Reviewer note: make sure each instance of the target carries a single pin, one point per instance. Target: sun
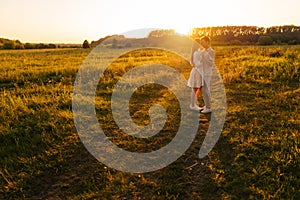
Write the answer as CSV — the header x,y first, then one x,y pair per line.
x,y
183,30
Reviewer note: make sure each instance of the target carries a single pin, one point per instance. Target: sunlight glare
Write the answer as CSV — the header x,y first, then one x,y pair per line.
x,y
183,30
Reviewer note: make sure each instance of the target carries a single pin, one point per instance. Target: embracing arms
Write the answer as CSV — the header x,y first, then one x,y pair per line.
x,y
208,56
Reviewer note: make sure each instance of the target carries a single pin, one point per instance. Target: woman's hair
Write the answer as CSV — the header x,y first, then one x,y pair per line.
x,y
195,47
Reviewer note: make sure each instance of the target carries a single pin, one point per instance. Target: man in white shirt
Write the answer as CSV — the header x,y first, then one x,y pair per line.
x,y
208,57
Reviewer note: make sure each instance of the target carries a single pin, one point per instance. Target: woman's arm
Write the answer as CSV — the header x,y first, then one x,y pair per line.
x,y
196,59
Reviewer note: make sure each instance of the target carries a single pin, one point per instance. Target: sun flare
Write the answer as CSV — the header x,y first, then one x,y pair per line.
x,y
183,30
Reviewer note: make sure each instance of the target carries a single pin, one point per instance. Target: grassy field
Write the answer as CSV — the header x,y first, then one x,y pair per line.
x,y
256,157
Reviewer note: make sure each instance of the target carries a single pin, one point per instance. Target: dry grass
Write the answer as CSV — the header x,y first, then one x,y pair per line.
x,y
257,155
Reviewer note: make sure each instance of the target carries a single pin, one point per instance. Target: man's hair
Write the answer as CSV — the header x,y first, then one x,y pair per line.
x,y
206,38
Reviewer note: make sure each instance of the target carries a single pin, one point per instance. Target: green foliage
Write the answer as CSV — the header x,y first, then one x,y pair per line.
x,y
265,40
85,44
16,44
257,156
13,45
9,45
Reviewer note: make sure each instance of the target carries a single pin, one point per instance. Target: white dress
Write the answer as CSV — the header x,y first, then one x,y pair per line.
x,y
195,80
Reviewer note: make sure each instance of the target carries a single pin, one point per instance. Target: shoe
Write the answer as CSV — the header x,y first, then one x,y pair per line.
x,y
197,107
206,110
194,107
202,108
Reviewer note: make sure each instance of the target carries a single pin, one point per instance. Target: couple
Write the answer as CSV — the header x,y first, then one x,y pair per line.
x,y
203,62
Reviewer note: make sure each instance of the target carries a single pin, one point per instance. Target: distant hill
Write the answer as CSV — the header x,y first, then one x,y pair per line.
x,y
120,41
3,40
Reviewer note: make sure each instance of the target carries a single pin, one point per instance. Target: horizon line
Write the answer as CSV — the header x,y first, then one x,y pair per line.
x,y
128,33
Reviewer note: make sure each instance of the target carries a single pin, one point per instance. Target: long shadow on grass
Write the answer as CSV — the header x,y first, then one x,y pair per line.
x,y
71,172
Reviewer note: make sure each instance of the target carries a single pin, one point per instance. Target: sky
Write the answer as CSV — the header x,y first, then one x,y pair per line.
x,y
73,21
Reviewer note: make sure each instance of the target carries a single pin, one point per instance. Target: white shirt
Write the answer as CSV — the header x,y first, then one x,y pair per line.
x,y
208,57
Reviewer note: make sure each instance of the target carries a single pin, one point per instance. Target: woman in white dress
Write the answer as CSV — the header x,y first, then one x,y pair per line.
x,y
195,81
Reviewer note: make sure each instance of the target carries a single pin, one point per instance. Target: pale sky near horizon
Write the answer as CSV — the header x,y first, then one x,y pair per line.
x,y
73,21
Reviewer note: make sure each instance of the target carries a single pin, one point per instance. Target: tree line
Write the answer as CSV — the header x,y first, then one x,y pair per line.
x,y
220,35
16,44
242,35
288,34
